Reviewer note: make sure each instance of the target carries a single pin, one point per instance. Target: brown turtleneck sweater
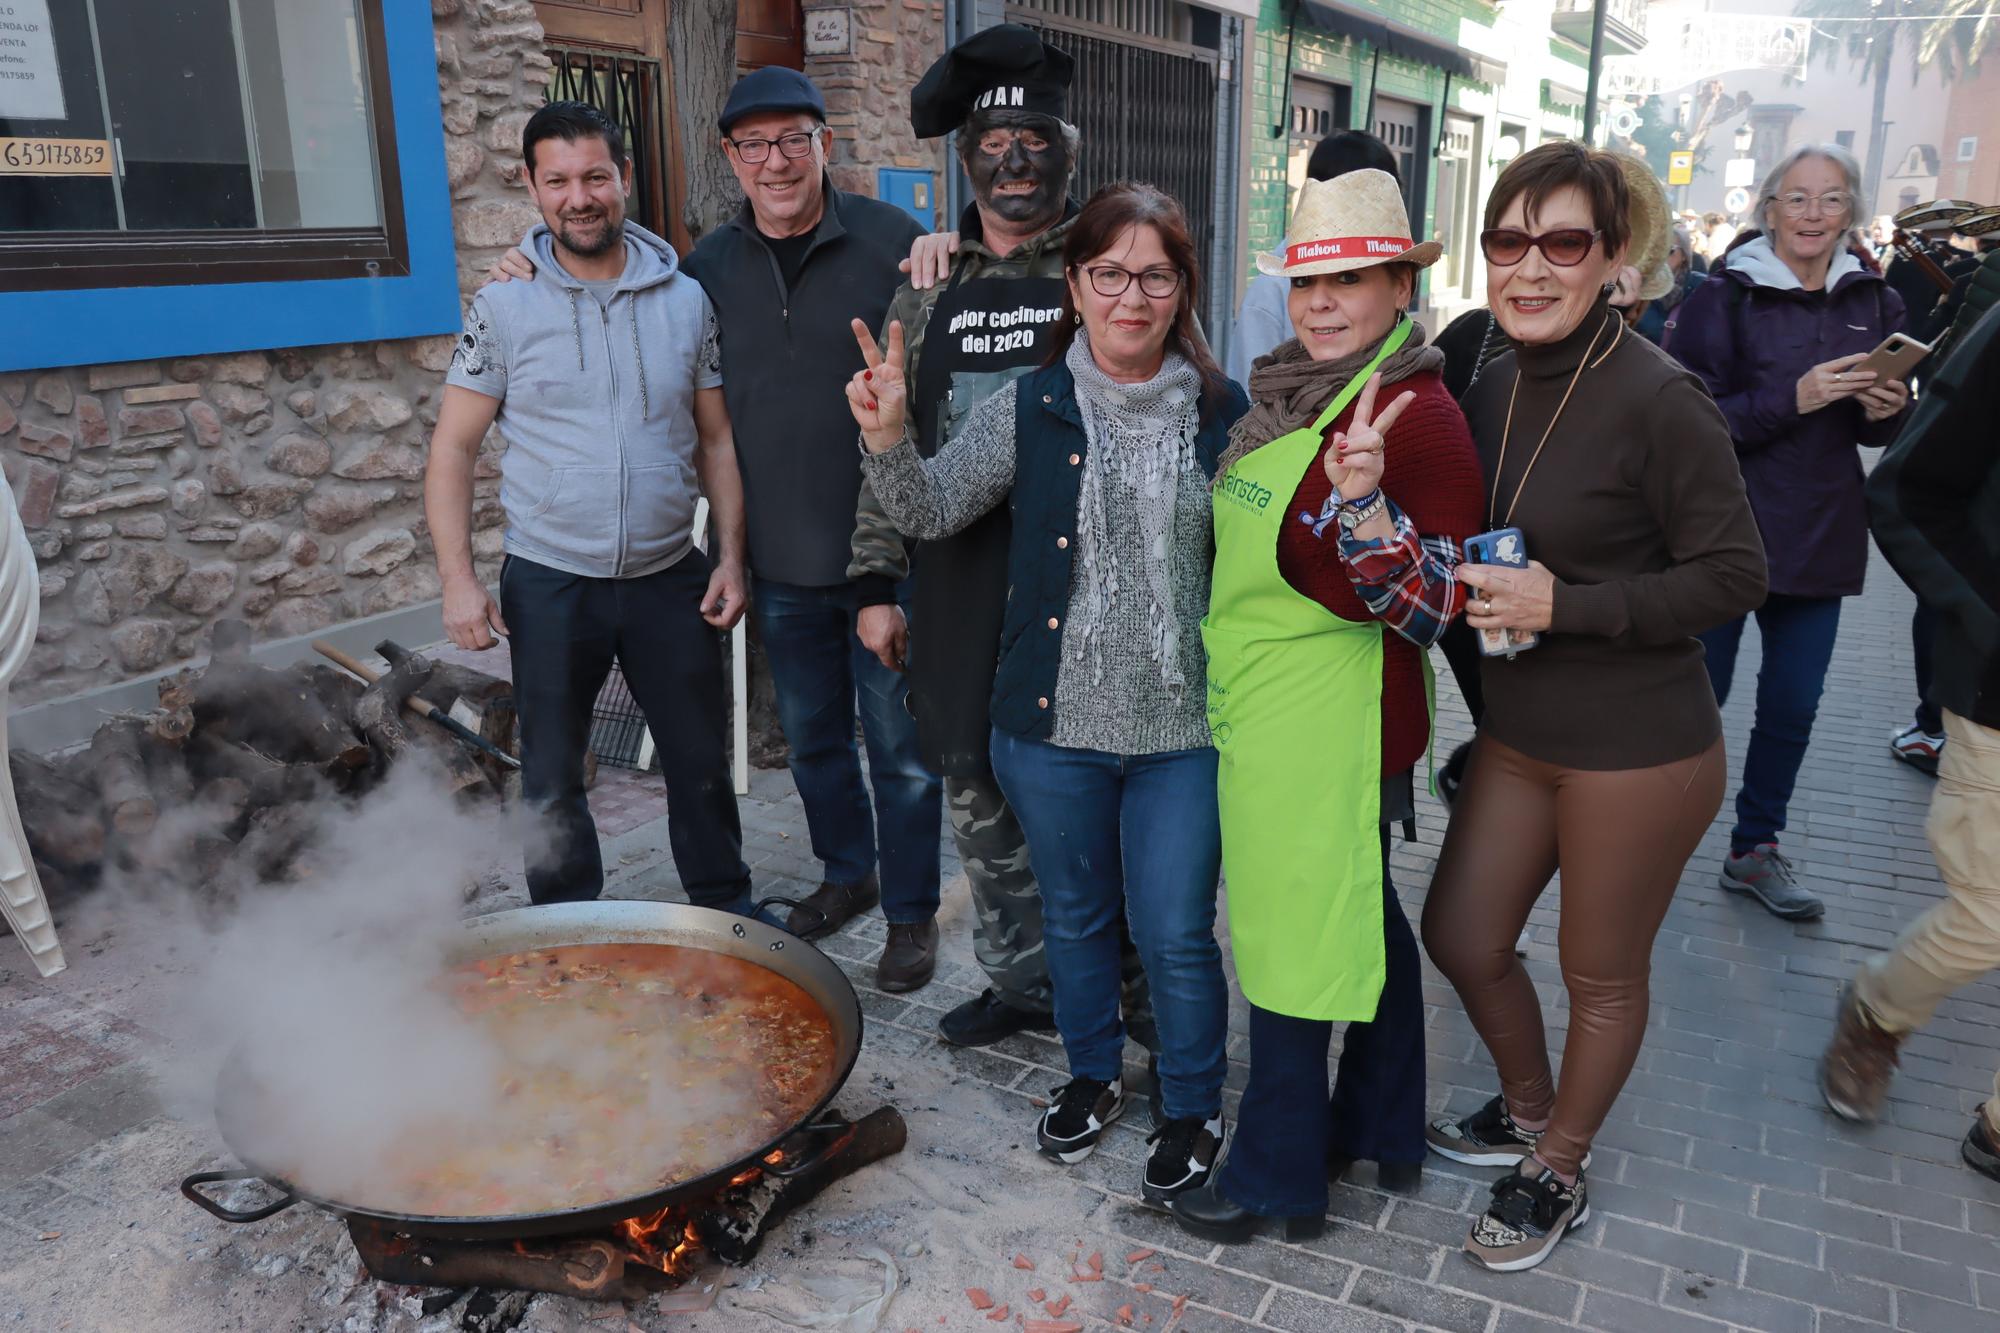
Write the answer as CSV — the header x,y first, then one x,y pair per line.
x,y
1636,506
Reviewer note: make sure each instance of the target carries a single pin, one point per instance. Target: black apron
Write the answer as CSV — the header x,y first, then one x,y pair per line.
x,y
982,335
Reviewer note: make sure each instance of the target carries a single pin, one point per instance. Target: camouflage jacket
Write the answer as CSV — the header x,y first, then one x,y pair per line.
x,y
881,555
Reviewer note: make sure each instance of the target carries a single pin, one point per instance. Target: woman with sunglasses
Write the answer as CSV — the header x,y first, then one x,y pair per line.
x,y
1778,335
1339,512
1100,741
1600,753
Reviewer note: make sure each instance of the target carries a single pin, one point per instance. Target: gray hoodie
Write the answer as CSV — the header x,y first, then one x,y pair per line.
x,y
597,407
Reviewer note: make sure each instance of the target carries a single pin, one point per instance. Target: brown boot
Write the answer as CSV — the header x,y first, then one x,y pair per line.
x,y
1854,1073
831,906
909,958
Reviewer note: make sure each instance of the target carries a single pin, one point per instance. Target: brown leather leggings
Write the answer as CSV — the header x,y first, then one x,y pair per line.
x,y
1621,839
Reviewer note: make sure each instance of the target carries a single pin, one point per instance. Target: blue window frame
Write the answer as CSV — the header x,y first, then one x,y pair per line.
x,y
277,252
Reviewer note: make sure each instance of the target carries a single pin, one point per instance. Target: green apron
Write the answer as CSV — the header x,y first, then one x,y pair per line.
x,y
1295,705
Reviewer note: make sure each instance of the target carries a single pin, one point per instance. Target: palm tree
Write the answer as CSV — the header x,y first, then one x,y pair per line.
x,y
1952,34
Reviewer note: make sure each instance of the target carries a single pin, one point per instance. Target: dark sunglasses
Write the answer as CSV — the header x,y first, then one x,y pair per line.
x,y
1565,247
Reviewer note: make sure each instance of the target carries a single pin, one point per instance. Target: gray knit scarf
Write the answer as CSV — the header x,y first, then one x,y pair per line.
x,y
1288,389
1141,439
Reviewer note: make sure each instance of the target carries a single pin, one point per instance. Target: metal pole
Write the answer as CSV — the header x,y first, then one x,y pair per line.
x,y
1596,66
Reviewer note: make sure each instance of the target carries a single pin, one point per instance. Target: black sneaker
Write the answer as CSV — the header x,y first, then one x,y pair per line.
x,y
1528,1215
1083,1109
1980,1150
1487,1137
989,1018
1183,1156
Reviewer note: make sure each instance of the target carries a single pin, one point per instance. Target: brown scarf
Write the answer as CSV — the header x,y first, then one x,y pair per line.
x,y
1288,389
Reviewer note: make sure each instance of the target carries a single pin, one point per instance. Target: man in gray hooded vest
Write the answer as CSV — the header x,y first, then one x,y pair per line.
x,y
605,382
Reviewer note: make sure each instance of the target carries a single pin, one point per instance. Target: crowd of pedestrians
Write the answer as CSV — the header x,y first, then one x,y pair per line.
x,y
1141,627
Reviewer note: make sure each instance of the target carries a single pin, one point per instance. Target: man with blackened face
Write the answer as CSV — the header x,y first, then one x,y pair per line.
x,y
1004,93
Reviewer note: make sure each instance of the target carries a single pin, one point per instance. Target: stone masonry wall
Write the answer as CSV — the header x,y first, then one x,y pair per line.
x,y
868,91
283,487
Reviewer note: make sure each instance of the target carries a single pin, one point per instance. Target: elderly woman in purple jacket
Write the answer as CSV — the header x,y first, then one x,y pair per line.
x,y
1776,333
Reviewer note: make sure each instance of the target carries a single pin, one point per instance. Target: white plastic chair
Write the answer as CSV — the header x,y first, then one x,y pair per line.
x,y
739,682
22,901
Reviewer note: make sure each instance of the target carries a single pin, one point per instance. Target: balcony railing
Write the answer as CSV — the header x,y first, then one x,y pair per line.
x,y
1624,24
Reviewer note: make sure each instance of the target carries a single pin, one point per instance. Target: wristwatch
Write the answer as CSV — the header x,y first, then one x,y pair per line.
x,y
1353,515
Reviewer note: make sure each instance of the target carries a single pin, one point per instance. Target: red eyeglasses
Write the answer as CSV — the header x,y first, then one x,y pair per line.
x,y
1564,247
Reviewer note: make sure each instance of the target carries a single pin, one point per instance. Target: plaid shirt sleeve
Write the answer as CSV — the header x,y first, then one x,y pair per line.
x,y
1406,578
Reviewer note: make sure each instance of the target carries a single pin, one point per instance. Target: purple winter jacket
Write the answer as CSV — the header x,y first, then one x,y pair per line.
x,y
1750,346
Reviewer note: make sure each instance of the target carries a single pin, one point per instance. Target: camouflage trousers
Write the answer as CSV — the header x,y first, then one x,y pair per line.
x,y
1007,933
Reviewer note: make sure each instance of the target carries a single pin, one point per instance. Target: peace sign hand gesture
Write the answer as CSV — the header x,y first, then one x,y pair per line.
x,y
1353,458
876,393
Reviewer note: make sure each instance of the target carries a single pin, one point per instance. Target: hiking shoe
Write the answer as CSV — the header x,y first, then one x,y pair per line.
x,y
1981,1148
831,906
1487,1137
1917,748
909,956
1765,873
1854,1073
989,1018
1183,1156
1528,1215
1083,1109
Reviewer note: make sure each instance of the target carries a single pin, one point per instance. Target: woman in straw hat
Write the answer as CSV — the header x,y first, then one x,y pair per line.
x,y
1339,511
1600,753
1103,456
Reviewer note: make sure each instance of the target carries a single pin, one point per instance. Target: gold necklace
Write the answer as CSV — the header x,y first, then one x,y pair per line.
x,y
1500,468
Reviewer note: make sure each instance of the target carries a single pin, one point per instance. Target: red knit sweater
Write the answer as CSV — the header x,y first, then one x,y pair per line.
x,y
1431,472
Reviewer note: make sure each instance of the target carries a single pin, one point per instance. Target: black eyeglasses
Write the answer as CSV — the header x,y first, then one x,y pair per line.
x,y
1110,280
754,151
1564,247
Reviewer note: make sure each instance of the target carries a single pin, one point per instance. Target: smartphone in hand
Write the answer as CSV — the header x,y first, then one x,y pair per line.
x,y
1508,549
1894,359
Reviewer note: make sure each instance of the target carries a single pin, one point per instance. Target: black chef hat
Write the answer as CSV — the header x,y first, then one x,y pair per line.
x,y
1009,66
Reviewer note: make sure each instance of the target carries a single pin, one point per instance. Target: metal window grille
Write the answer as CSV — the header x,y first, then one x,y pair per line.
x,y
617,727
627,89
1145,114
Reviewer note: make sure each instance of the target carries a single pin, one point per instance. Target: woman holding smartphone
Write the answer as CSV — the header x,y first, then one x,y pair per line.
x,y
1781,337
1600,753
1339,509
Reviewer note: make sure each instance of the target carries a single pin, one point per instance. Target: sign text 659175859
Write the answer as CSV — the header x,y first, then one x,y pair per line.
x,y
55,157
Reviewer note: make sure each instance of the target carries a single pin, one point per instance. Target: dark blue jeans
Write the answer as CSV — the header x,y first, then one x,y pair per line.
x,y
821,673
1798,646
565,632
1288,1127
1136,836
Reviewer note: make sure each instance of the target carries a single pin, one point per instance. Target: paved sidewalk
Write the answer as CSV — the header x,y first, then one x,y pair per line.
x,y
1723,1194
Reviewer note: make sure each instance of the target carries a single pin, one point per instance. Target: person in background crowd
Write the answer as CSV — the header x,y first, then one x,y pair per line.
x,y
1104,457
1910,281
1005,93
1600,754
607,433
1717,235
1920,744
785,275
1776,337
1264,322
1680,259
1322,607
1935,501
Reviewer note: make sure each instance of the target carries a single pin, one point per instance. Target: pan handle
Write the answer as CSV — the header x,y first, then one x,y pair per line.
x,y
796,904
834,1130
229,1214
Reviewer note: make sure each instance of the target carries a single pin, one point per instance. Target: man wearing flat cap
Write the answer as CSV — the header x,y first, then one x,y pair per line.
x,y
1004,91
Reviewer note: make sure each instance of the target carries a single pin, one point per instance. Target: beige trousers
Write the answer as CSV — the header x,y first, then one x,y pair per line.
x,y
1958,940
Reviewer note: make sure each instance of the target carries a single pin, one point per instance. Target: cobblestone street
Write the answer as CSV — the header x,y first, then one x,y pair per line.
x,y
1723,1194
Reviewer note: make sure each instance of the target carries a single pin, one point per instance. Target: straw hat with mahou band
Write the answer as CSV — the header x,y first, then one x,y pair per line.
x,y
1352,221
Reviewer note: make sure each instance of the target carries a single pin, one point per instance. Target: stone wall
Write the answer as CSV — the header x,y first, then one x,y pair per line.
x,y
283,487
868,90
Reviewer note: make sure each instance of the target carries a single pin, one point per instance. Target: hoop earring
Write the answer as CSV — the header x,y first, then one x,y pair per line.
x,y
1078,318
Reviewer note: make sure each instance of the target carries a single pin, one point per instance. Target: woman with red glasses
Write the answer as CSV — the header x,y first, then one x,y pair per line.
x,y
1600,751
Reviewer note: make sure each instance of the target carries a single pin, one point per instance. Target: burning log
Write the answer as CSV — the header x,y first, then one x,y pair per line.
x,y
734,1230
60,815
594,1269
117,769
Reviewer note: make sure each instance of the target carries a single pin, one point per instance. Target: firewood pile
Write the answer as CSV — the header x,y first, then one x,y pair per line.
x,y
222,786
